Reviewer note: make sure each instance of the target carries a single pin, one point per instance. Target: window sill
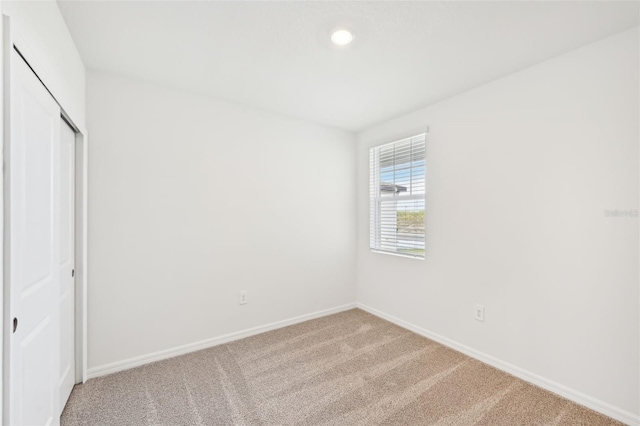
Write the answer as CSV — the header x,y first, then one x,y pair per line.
x,y
391,253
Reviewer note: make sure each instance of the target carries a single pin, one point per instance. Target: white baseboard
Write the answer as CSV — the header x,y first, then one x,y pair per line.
x,y
564,391
126,364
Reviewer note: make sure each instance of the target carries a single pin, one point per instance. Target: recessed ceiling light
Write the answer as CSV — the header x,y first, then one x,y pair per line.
x,y
341,37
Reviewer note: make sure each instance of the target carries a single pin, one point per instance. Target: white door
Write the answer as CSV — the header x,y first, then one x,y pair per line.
x,y
67,255
34,250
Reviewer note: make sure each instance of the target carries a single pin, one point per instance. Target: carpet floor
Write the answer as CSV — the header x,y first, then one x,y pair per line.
x,y
350,368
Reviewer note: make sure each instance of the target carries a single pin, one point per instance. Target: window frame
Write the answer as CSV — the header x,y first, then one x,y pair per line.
x,y
375,225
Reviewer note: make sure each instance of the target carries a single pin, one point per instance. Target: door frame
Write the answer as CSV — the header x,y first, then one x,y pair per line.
x,y
11,41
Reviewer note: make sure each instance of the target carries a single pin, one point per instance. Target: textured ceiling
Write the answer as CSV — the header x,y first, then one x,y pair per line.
x,y
277,56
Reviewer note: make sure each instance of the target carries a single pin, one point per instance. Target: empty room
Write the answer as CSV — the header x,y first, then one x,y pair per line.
x,y
320,213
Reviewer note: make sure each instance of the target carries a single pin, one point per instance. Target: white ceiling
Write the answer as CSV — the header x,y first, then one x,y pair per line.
x,y
277,56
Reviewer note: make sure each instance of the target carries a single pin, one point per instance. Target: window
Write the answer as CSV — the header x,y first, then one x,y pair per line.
x,y
397,197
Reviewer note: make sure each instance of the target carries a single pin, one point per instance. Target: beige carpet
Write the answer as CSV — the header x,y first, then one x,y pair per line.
x,y
350,368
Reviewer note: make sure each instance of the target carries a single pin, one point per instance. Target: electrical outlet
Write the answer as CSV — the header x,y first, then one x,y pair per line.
x,y
242,300
479,312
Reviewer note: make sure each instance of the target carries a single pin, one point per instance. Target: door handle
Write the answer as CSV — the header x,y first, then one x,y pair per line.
x,y
15,324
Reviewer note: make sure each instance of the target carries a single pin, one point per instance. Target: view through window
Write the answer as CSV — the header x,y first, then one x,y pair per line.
x,y
397,196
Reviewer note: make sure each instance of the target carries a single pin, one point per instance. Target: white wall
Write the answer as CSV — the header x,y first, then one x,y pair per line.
x,y
2,307
193,200
519,173
50,50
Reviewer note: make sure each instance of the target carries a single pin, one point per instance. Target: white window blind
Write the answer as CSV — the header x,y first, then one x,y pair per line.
x,y
397,197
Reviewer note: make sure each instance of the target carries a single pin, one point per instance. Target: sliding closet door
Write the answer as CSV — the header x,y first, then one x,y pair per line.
x,y
34,250
67,255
